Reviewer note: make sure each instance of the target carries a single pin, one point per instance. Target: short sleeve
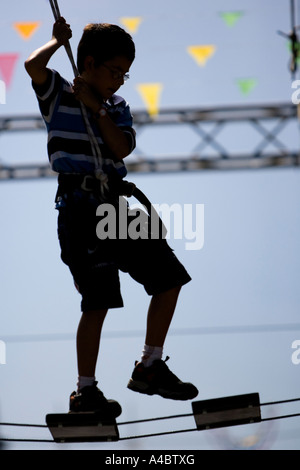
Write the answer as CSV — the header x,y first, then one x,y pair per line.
x,y
47,94
120,113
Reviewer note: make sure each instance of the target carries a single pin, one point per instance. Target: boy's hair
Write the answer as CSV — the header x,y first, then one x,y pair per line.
x,y
104,41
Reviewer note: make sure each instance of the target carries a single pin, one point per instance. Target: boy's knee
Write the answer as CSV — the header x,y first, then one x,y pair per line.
x,y
176,288
173,292
97,314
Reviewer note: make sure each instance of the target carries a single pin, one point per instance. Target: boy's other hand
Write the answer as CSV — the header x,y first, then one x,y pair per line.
x,y
83,93
61,31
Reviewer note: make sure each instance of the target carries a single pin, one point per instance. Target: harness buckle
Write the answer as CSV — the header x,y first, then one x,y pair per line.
x,y
85,186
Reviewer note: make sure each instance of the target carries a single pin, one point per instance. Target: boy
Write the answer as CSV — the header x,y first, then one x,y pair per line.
x,y
105,54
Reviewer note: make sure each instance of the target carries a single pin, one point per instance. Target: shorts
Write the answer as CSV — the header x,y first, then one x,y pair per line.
x,y
95,263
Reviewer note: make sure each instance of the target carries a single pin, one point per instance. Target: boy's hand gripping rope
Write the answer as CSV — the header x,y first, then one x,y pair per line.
x,y
99,173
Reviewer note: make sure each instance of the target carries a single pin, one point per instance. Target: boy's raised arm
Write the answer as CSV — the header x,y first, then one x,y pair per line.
x,y
36,64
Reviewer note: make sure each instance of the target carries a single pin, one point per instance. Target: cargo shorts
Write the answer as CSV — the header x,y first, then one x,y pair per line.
x,y
95,263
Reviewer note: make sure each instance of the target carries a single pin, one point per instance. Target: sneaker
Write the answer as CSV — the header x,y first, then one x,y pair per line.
x,y
159,380
92,399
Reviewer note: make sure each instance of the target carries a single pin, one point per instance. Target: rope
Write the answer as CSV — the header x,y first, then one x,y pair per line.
x,y
141,436
191,414
160,418
280,417
25,425
147,420
56,14
27,440
99,173
195,429
279,402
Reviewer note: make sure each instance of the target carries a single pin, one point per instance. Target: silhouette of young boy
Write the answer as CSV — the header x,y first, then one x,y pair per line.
x,y
105,54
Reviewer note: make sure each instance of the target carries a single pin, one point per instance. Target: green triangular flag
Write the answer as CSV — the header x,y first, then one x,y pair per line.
x,y
231,17
246,85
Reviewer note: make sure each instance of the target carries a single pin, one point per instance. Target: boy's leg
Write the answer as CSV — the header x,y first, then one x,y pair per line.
x,y
88,396
152,376
88,341
160,314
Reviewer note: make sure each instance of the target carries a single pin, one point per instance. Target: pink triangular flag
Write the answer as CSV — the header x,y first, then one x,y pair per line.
x,y
7,66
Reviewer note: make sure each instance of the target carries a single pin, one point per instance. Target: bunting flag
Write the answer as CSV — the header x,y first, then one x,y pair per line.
x,y
131,23
246,85
7,66
26,30
231,17
201,53
150,93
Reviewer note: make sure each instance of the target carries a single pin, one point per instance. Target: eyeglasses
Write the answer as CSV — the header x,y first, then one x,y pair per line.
x,y
117,75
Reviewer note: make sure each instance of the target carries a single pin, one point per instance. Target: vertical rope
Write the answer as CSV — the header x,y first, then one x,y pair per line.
x,y
99,173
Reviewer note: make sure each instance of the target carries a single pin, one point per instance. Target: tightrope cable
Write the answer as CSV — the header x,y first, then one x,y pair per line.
x,y
280,402
146,420
25,425
160,418
142,436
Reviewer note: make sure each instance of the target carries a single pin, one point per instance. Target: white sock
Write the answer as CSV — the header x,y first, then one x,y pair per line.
x,y
150,354
84,382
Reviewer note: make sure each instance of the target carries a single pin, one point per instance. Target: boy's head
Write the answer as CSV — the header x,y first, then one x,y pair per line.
x,y
104,55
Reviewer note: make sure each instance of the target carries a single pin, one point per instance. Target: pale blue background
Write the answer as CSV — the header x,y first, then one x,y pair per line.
x,y
246,275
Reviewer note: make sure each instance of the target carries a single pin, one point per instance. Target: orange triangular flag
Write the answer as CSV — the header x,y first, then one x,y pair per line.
x,y
150,93
26,29
201,53
7,66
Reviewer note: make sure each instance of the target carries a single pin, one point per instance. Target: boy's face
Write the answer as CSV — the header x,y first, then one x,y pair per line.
x,y
108,77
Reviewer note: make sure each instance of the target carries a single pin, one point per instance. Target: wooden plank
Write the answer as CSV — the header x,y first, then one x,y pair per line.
x,y
82,427
227,411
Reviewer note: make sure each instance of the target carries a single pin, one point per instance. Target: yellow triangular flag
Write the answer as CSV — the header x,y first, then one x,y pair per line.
x,y
131,23
150,93
201,53
27,29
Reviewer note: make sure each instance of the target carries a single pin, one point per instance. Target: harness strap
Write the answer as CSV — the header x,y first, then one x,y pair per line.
x,y
117,187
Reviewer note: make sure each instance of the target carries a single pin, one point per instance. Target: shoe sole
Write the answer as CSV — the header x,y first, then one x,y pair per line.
x,y
114,411
143,388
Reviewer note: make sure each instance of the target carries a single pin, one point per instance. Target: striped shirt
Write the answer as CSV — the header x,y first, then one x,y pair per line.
x,y
69,148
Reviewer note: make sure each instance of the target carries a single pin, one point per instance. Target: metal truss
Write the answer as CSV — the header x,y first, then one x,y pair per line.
x,y
267,121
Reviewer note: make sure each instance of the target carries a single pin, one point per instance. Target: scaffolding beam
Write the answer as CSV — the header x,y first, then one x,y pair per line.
x,y
268,122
